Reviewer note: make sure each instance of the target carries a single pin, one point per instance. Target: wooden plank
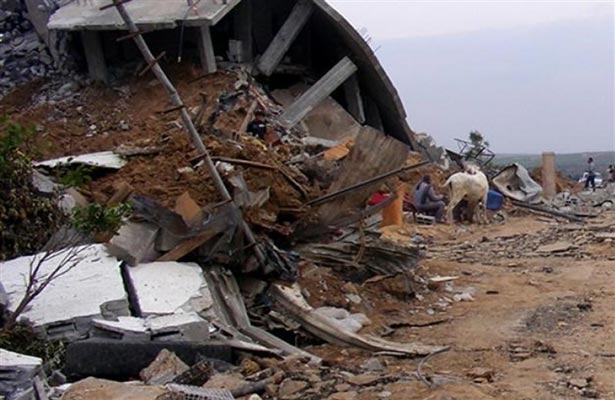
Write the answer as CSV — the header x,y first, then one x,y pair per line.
x,y
186,247
122,190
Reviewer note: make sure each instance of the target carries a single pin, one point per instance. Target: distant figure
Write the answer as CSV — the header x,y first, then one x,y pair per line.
x,y
426,200
611,176
258,126
591,174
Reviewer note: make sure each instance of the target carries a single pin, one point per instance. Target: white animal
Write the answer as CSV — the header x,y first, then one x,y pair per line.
x,y
471,186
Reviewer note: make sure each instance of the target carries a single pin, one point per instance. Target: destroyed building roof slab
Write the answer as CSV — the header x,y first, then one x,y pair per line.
x,y
151,14
93,286
372,74
170,287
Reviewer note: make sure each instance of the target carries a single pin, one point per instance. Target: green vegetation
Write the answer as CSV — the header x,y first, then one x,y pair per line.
x,y
22,339
75,177
27,218
97,219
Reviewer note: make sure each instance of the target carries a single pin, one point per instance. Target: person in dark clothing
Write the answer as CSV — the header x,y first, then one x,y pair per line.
x,y
591,174
611,176
258,126
426,200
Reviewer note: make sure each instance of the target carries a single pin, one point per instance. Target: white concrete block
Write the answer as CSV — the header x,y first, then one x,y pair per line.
x,y
10,359
170,287
90,289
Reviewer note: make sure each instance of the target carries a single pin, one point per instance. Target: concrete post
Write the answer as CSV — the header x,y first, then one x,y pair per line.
x,y
286,36
549,175
318,92
352,92
94,55
206,50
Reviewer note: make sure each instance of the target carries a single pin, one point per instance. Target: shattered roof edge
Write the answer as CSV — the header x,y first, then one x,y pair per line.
x,y
368,53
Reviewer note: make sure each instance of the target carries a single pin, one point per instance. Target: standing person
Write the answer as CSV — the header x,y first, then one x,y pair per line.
x,y
258,126
591,174
611,170
426,200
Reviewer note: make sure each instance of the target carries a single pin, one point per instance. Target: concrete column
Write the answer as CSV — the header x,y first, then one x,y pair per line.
x,y
206,50
242,24
286,36
94,55
352,92
549,175
318,92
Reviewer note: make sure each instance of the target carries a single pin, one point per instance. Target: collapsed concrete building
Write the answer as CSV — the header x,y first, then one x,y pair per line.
x,y
286,42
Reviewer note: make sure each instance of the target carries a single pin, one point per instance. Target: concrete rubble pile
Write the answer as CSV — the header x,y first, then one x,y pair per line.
x,y
515,183
188,293
27,49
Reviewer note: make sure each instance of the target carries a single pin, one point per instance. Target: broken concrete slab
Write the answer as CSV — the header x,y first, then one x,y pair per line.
x,y
135,243
92,288
158,14
103,159
187,327
17,372
164,288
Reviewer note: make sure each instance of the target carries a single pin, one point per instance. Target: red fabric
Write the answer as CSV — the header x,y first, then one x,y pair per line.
x,y
377,198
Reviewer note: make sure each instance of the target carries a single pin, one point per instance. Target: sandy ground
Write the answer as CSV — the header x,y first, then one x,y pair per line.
x,y
539,325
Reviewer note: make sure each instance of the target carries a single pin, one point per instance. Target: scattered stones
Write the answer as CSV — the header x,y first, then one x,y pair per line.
x,y
578,383
481,374
343,396
373,365
362,380
289,387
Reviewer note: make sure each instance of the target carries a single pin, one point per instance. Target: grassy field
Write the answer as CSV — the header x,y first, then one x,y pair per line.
x,y
572,165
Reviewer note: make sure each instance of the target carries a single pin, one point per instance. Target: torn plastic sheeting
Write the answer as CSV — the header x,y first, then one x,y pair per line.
x,y
92,288
515,182
103,159
295,306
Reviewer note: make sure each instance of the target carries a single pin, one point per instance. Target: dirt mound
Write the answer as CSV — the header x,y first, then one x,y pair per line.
x,y
563,183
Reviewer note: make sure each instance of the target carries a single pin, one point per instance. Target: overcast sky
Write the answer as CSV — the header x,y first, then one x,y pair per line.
x,y
530,75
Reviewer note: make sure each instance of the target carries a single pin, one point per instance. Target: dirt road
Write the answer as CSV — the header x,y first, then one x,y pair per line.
x,y
530,316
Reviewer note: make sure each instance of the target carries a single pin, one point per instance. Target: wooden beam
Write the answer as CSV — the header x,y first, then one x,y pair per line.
x,y
285,37
318,92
